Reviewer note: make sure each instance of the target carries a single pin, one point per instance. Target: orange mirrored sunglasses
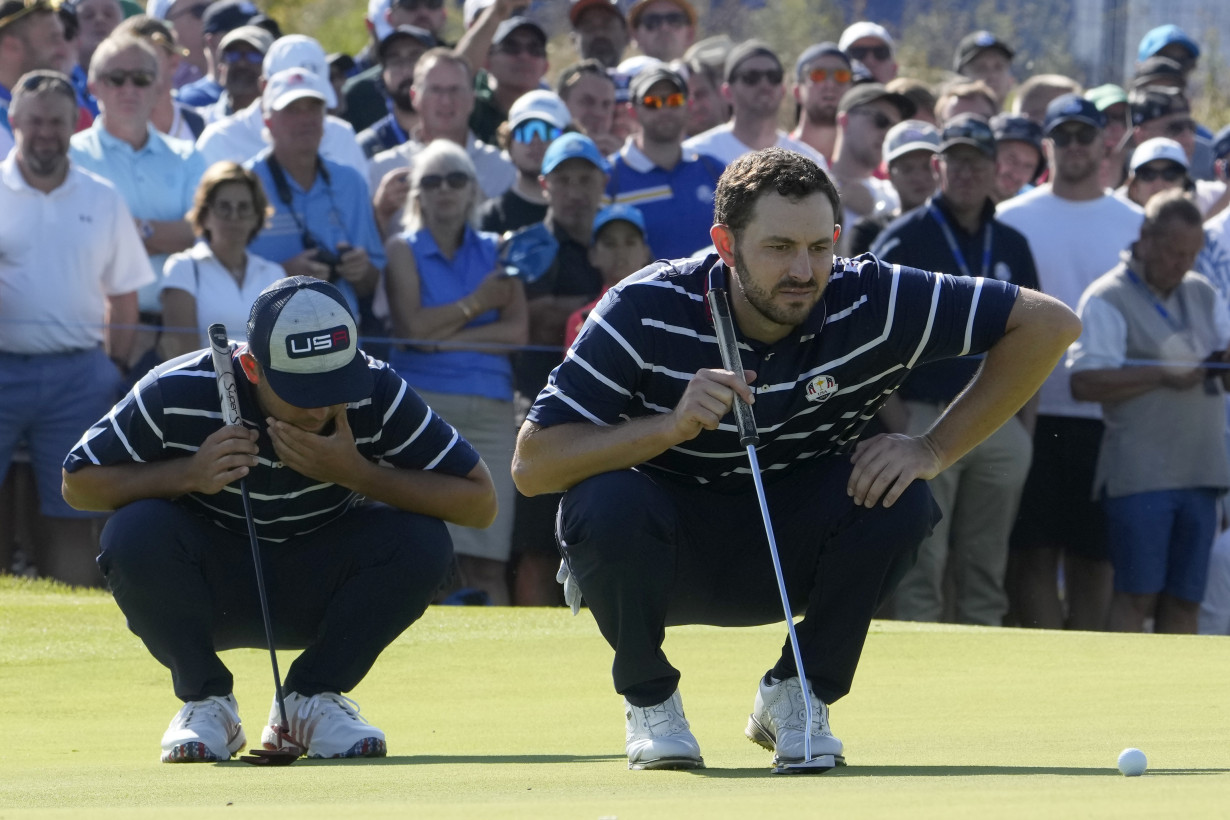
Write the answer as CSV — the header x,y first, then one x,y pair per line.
x,y
674,100
839,75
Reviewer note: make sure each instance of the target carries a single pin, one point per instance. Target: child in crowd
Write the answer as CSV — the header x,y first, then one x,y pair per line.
x,y
618,250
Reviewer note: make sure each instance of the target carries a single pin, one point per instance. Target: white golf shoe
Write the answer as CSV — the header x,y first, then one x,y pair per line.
x,y
324,725
778,719
658,737
204,731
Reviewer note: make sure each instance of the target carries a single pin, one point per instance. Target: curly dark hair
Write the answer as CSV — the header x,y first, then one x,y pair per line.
x,y
745,180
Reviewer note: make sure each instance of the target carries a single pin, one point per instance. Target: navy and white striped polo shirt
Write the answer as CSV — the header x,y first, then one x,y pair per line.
x,y
175,407
815,389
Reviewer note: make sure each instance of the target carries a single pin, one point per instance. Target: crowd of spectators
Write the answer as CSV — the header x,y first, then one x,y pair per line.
x,y
472,200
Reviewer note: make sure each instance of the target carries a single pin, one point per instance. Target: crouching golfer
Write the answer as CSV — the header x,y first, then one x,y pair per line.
x,y
659,524
325,427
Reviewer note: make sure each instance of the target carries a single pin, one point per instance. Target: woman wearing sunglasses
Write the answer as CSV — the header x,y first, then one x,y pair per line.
x,y
1157,165
461,314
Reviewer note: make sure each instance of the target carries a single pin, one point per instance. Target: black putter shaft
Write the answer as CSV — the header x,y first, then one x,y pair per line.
x,y
228,392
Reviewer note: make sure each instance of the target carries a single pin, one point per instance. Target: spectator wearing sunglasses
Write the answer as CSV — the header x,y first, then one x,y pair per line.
x,y
157,175
173,118
31,39
671,187
220,19
599,30
1076,231
508,58
873,46
443,95
240,56
448,292
822,74
1157,165
754,88
535,121
865,114
662,29
982,56
1166,112
388,93
590,94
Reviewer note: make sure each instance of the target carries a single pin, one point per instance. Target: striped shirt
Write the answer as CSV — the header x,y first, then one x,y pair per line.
x,y
171,411
815,389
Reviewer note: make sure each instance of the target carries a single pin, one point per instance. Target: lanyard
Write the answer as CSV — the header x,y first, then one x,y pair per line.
x,y
1179,324
938,216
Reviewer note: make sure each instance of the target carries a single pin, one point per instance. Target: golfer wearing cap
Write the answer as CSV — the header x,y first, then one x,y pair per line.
x,y
659,523
351,478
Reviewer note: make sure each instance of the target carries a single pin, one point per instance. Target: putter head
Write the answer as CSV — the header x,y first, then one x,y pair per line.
x,y
270,757
816,765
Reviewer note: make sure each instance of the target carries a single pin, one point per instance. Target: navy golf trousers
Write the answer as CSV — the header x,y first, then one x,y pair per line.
x,y
341,593
650,553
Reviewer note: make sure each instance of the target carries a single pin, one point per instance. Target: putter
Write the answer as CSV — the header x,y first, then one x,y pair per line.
x,y
220,347
724,328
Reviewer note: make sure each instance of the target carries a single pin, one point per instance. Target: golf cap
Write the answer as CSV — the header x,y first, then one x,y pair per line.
x,y
1158,148
407,32
909,136
1159,71
377,18
862,30
1107,95
971,130
1072,108
255,36
540,104
619,213
1013,128
472,9
229,15
1155,102
573,146
863,93
816,51
298,51
1157,39
638,8
1221,143
744,51
305,339
293,84
974,44
645,79
512,24
579,7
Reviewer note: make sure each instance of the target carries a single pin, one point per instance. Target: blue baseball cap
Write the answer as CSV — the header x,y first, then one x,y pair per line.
x,y
573,146
1157,39
619,212
1072,108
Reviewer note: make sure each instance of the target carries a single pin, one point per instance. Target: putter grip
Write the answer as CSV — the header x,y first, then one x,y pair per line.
x,y
228,393
724,328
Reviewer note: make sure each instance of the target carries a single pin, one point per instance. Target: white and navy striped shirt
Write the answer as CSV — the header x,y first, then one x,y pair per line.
x,y
815,389
176,407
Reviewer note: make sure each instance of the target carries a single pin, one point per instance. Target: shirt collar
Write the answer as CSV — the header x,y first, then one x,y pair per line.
x,y
10,176
110,142
637,161
941,202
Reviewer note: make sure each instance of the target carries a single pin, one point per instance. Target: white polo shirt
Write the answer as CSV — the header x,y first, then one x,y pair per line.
x,y
242,136
219,298
61,255
721,143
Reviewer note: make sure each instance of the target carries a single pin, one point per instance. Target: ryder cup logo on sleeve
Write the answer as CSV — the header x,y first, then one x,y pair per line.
x,y
305,339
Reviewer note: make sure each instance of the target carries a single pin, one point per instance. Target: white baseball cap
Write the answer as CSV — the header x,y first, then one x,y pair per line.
x,y
299,51
540,105
376,15
473,8
285,87
1159,148
862,29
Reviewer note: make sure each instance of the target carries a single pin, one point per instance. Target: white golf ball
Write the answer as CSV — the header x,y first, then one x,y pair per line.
x,y
1132,762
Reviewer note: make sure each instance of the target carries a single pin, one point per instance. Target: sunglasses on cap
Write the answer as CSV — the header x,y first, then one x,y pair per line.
x,y
454,179
138,77
197,11
878,118
839,75
48,82
674,100
528,131
754,75
415,5
1085,135
860,53
514,49
674,19
1170,173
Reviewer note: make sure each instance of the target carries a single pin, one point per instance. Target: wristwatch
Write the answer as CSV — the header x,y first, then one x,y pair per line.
x,y
145,229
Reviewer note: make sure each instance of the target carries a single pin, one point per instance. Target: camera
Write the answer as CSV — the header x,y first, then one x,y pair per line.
x,y
323,255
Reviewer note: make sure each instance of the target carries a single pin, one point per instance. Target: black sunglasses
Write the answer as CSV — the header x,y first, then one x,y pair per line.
x,y
415,5
754,75
138,77
1085,135
1170,173
454,179
674,19
860,53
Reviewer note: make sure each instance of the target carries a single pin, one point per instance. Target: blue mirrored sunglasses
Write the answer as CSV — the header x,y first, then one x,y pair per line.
x,y
543,130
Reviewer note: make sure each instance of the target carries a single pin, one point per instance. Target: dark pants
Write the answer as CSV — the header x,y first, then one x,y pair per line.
x,y
650,553
342,593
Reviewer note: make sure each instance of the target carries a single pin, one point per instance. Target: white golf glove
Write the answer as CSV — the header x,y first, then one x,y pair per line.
x,y
572,592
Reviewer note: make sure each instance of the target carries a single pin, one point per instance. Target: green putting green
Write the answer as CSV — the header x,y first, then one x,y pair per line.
x,y
509,713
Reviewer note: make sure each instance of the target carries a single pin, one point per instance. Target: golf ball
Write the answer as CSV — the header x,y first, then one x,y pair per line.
x,y
1132,762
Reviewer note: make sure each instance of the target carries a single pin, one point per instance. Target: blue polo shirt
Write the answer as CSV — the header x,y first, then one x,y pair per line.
x,y
157,181
200,93
677,204
174,408
916,238
815,389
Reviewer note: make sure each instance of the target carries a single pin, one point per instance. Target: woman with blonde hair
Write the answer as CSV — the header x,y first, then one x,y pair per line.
x,y
462,314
